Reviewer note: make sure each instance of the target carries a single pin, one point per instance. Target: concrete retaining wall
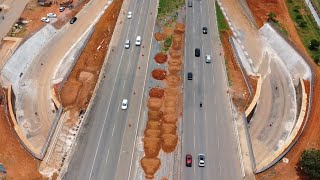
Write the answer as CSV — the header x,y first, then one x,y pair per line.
x,y
291,140
255,97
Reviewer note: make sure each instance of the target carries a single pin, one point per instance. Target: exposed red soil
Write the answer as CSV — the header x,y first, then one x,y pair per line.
x,y
239,91
161,58
310,137
159,74
150,166
18,162
87,68
156,92
159,36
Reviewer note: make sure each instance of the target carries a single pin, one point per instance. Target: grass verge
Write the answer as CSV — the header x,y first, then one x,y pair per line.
x,y
306,26
169,7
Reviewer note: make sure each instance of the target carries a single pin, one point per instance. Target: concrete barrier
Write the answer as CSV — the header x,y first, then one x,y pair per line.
x,y
20,135
54,98
255,97
291,141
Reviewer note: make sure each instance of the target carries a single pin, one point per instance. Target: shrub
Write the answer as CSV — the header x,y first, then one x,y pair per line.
x,y
310,162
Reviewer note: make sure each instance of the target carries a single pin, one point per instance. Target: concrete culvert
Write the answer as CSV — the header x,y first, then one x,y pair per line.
x,y
151,147
150,166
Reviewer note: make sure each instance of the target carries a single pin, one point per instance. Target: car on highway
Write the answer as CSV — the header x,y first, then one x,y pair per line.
x,y
189,75
129,15
188,160
51,15
204,30
201,159
127,44
208,58
44,19
73,20
124,104
190,3
138,41
197,52
61,9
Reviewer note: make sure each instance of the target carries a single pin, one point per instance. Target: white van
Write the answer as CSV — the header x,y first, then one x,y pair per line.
x,y
138,41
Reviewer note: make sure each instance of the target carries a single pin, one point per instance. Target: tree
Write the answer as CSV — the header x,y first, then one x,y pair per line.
x,y
272,17
310,162
314,45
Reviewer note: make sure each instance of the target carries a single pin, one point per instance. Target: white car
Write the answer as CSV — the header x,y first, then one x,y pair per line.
x,y
61,9
208,58
51,15
201,159
44,19
124,104
138,41
127,44
129,15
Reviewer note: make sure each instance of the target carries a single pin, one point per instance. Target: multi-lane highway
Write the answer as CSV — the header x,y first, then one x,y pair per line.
x,y
207,129
100,144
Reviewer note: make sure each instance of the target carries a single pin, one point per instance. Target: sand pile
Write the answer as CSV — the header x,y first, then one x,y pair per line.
x,y
161,58
159,74
156,92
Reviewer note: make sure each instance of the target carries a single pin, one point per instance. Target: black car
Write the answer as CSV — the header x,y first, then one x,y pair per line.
x,y
190,3
205,30
73,20
189,75
197,52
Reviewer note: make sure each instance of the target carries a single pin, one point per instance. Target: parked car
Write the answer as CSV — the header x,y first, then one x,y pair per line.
x,y
138,41
205,30
44,19
127,44
188,160
201,159
189,75
61,9
51,15
197,52
208,58
73,20
129,15
124,104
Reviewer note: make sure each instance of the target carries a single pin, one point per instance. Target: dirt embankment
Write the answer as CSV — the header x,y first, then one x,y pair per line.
x,y
18,162
311,136
163,104
238,88
78,89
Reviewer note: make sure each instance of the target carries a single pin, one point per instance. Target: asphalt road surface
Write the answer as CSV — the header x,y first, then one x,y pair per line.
x,y
207,129
98,148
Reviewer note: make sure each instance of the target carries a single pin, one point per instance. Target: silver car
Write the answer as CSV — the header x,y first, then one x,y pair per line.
x,y
208,58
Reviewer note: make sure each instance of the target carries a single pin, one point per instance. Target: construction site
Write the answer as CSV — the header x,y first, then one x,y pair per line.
x,y
62,84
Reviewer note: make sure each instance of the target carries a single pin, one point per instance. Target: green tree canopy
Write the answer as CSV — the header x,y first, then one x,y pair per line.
x,y
310,162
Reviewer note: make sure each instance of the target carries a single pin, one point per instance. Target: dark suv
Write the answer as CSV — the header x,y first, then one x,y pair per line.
x,y
205,30
73,20
197,52
189,75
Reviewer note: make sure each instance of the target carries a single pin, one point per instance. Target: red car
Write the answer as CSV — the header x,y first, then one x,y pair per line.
x,y
188,160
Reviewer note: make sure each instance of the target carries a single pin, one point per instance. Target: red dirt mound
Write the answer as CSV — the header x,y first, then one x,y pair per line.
x,y
175,62
150,166
154,115
174,53
168,129
156,92
159,36
169,142
159,74
155,125
170,118
161,58
179,29
152,147
154,104
150,133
